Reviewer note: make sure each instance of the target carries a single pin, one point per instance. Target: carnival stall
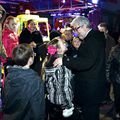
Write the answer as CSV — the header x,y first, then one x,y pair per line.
x,y
23,18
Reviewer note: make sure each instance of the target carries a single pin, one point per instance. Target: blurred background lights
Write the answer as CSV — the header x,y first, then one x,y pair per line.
x,y
27,12
63,1
95,1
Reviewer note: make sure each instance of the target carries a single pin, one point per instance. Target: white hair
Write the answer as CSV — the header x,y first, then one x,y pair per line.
x,y
79,21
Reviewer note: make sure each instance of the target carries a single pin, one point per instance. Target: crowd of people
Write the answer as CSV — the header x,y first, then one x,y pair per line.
x,y
66,78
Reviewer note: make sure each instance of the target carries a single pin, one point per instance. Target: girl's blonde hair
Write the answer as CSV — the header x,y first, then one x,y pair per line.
x,y
7,20
54,42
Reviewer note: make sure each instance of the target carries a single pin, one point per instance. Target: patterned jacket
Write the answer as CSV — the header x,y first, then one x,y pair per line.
x,y
58,86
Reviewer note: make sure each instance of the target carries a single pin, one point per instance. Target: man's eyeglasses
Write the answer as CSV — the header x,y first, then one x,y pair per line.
x,y
76,29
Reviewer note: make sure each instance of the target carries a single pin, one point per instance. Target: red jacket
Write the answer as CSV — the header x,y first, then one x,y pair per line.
x,y
10,40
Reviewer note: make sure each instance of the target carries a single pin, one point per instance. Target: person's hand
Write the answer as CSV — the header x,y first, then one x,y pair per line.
x,y
57,62
12,37
33,44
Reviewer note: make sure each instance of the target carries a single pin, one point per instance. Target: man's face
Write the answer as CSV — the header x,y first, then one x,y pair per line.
x,y
101,29
81,31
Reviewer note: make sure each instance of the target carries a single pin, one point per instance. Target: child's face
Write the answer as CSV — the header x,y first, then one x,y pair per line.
x,y
68,35
76,43
12,25
62,47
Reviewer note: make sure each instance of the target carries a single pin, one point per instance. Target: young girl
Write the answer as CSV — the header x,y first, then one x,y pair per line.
x,y
58,82
76,42
9,35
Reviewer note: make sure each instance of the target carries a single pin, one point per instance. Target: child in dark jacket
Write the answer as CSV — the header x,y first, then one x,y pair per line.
x,y
23,93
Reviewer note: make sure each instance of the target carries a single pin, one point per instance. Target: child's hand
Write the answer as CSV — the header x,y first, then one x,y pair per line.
x,y
57,62
12,36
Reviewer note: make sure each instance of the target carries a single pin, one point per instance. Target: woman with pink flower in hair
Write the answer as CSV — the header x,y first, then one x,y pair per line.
x,y
59,93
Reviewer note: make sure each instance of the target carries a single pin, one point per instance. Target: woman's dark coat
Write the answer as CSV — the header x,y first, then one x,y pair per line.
x,y
27,37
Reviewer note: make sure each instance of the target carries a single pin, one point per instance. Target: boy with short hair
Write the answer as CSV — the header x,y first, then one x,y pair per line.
x,y
23,93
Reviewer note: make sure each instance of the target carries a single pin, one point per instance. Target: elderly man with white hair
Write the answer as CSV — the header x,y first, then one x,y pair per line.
x,y
89,67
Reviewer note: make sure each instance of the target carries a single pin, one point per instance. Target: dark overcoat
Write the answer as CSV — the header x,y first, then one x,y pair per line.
x,y
27,37
89,67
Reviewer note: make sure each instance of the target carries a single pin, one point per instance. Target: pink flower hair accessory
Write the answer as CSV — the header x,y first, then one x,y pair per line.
x,y
51,49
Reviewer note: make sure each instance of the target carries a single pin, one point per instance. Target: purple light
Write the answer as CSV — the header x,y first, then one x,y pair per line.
x,y
75,34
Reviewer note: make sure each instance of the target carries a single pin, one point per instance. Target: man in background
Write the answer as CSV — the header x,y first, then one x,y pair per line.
x,y
110,42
